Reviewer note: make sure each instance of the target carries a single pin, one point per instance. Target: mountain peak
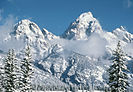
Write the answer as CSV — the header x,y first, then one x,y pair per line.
x,y
82,27
25,21
123,34
122,28
27,28
85,16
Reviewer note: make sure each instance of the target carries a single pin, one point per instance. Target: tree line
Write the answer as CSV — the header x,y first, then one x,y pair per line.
x,y
15,76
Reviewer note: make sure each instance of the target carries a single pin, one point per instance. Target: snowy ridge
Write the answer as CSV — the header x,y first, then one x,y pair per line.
x,y
122,34
48,35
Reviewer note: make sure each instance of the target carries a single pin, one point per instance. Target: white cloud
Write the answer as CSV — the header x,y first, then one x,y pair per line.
x,y
6,41
6,28
94,46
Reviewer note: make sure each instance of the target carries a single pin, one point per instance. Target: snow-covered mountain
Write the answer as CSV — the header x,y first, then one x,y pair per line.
x,y
81,55
82,27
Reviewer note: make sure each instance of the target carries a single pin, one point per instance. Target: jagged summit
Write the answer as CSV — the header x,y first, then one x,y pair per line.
x,y
122,28
24,21
27,28
123,34
85,17
82,27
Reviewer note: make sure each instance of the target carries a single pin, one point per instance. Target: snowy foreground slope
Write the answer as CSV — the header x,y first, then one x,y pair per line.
x,y
68,91
80,56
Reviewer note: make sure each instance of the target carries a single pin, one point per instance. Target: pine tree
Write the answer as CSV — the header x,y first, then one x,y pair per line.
x,y
9,76
1,78
26,71
118,79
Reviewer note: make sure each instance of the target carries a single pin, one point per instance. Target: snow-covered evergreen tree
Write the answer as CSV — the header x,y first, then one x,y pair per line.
x,y
9,77
118,79
26,71
1,78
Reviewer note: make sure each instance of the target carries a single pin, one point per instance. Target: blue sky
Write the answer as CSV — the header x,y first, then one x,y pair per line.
x,y
56,15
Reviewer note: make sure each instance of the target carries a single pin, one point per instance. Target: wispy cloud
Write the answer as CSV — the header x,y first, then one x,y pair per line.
x,y
129,3
5,29
91,47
